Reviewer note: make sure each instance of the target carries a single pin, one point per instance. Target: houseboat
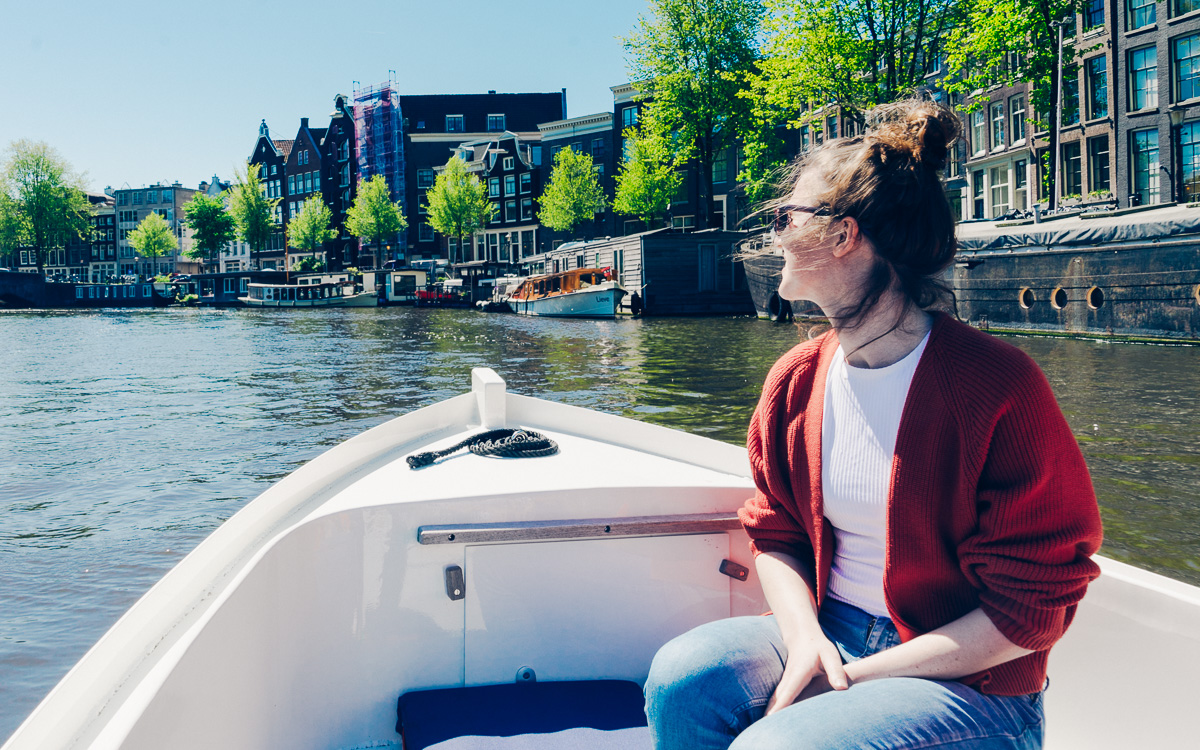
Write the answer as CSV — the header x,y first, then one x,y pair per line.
x,y
579,293
335,293
364,603
401,287
30,290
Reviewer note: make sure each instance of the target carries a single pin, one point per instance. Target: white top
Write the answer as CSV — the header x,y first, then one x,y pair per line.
x,y
858,443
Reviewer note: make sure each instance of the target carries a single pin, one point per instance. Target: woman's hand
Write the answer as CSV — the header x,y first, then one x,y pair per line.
x,y
813,666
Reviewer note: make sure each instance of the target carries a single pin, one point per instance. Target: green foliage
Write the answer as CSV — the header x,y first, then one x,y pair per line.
x,y
694,56
648,178
309,229
458,204
574,194
212,226
42,204
309,264
1006,42
153,238
253,212
374,217
855,54
190,300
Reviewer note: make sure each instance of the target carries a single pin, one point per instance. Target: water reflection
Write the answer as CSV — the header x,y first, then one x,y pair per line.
x,y
127,436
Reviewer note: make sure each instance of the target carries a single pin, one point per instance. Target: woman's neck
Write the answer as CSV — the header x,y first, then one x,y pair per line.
x,y
890,332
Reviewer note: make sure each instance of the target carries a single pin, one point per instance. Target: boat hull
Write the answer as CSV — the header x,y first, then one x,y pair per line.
x,y
363,299
763,274
595,302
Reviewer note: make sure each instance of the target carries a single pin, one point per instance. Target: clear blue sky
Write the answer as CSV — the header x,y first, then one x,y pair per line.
x,y
138,92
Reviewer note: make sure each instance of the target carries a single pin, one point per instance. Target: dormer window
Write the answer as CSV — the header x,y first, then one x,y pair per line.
x,y
495,123
508,163
454,124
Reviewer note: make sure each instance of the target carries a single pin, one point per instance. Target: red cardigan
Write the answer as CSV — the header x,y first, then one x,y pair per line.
x,y
990,505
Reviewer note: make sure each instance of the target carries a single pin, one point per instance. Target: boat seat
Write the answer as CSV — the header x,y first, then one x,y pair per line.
x,y
593,714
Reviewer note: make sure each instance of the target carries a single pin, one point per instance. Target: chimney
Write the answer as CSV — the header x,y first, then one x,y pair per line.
x,y
304,122
491,91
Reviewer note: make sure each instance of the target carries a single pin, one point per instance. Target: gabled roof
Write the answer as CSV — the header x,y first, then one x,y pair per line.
x,y
284,147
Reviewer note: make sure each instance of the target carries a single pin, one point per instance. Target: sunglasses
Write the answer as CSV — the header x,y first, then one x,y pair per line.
x,y
783,215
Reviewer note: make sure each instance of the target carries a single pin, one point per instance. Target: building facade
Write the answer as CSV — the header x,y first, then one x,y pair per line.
x,y
134,204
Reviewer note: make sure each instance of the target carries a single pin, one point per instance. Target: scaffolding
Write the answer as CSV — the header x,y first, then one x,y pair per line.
x,y
380,145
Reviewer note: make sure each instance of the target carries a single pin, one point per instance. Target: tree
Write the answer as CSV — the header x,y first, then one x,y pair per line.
x,y
854,54
153,239
648,178
1005,42
44,205
573,195
694,55
253,212
309,229
309,264
374,217
212,225
457,203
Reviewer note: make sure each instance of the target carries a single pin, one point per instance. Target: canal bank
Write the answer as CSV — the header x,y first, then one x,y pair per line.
x,y
128,435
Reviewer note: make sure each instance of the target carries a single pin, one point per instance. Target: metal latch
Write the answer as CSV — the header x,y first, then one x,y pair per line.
x,y
456,583
733,570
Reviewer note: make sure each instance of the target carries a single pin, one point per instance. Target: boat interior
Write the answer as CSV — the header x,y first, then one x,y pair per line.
x,y
484,602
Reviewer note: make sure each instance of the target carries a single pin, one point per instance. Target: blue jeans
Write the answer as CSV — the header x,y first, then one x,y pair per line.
x,y
709,687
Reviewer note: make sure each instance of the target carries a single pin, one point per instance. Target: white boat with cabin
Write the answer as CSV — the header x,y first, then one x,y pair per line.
x,y
357,579
578,293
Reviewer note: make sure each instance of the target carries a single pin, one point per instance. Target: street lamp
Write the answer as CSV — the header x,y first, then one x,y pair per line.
x,y
1056,157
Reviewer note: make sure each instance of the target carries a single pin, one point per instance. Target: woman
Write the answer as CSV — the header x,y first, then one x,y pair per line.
x,y
924,520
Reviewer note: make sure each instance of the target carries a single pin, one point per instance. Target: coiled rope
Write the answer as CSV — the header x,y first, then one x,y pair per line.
x,y
506,443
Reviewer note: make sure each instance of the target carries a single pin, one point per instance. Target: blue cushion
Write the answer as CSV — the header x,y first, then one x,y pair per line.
x,y
635,738
429,717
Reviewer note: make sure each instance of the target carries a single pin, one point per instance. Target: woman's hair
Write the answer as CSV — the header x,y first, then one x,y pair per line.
x,y
888,180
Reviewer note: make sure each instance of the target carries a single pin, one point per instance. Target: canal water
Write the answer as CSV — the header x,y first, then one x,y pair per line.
x,y
126,437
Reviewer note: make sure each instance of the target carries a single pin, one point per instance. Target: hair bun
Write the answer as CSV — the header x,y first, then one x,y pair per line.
x,y
918,129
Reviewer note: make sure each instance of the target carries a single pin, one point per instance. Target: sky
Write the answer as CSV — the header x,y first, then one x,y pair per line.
x,y
138,92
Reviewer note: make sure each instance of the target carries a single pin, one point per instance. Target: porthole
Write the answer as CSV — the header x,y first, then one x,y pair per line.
x,y
1095,298
1058,298
1027,298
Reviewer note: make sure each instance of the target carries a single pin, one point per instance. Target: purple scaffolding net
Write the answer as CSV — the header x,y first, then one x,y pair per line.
x,y
380,142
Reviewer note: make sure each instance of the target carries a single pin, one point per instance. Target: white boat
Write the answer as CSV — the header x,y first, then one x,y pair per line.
x,y
336,293
578,293
356,579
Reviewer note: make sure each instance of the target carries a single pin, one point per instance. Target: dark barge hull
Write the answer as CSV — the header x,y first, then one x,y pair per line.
x,y
32,291
762,276
1130,275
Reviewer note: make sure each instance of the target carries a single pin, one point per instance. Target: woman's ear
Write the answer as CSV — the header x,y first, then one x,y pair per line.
x,y
849,237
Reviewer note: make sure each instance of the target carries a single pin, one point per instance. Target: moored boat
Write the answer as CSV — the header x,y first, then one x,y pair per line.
x,y
578,293
337,293
357,579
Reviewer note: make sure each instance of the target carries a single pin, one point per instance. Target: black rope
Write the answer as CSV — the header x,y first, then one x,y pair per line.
x,y
507,443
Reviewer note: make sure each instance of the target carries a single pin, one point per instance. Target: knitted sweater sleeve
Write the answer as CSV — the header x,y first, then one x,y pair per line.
x,y
1038,521
770,517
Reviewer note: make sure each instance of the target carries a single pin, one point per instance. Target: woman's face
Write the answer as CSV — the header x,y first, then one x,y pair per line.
x,y
807,249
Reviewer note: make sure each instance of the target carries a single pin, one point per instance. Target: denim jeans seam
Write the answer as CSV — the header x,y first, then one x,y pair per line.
x,y
977,737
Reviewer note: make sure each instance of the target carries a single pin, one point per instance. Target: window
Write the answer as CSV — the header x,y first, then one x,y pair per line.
x,y
510,184
597,148
1021,185
978,131
316,180
526,182
831,130
999,179
1143,78
493,187
308,185
421,207
168,196
1098,164
1097,87
137,198
274,168
997,115
495,212
629,115
720,166
509,162
1187,67
1016,109
426,232
1070,105
1189,152
977,194
152,196
122,199
344,177
683,222
804,138
1140,13
291,184
1185,6
510,210
526,209
425,178
527,242
454,124
1072,170
1145,166
493,246
495,124
1093,14
535,155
